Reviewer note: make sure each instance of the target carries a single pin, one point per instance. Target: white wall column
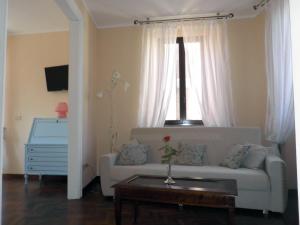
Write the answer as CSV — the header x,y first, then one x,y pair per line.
x,y
75,119
295,24
3,43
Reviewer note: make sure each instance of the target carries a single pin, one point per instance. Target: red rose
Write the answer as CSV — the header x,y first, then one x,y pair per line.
x,y
166,138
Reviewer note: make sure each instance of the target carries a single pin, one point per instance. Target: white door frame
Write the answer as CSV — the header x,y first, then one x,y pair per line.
x,y
75,118
3,44
295,29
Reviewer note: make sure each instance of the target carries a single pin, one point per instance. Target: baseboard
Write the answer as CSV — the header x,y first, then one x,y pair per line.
x,y
9,176
90,185
30,177
18,177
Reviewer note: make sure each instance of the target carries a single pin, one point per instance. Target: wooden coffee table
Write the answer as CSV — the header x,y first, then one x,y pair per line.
x,y
215,193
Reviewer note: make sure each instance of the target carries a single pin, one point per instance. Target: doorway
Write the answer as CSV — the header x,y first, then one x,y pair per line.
x,y
75,39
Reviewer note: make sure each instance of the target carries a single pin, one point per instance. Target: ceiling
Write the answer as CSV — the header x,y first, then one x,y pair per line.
x,y
38,16
35,16
113,13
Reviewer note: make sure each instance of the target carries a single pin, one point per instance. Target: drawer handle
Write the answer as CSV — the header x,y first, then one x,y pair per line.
x,y
31,159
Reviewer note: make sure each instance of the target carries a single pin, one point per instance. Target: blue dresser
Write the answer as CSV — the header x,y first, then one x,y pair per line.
x,y
46,152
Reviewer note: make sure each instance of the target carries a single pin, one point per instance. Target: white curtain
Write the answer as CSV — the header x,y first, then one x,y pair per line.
x,y
213,83
280,106
158,71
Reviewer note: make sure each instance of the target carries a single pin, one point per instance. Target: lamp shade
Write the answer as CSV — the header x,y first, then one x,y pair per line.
x,y
62,109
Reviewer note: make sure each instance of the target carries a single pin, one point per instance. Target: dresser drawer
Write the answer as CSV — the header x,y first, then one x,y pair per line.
x,y
48,164
47,159
48,149
47,154
46,169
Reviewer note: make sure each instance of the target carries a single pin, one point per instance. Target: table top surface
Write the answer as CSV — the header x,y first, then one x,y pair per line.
x,y
211,185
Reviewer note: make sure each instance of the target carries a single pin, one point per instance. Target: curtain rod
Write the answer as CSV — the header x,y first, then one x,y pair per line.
x,y
261,4
218,16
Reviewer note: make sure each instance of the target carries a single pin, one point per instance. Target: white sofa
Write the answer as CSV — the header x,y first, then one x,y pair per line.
x,y
257,189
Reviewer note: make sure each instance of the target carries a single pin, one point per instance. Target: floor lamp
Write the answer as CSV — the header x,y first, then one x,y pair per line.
x,y
116,80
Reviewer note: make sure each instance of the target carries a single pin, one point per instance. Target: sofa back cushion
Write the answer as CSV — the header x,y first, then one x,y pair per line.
x,y
218,140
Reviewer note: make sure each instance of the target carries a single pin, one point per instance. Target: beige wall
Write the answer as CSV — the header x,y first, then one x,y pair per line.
x,y
26,91
247,53
119,49
289,155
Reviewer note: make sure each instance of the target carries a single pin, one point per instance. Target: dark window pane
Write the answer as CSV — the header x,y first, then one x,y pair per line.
x,y
184,106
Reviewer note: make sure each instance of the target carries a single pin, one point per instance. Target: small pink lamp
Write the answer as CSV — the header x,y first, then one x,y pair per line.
x,y
62,109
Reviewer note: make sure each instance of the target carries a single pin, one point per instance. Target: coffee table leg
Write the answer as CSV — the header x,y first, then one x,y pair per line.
x,y
136,212
231,219
118,210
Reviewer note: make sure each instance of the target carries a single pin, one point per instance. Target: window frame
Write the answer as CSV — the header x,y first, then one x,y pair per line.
x,y
182,91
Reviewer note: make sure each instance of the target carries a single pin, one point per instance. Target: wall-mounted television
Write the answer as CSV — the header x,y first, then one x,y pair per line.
x,y
57,78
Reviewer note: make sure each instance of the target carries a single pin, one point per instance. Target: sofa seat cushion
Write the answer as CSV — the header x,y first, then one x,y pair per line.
x,y
247,179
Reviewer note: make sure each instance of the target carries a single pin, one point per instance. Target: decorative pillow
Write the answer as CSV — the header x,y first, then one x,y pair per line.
x,y
235,157
133,154
268,150
191,154
131,141
256,156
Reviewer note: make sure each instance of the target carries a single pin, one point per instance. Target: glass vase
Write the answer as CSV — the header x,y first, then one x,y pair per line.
x,y
169,179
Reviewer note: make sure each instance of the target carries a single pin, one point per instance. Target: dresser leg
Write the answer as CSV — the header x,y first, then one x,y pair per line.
x,y
118,209
40,180
26,179
231,219
180,207
266,213
136,212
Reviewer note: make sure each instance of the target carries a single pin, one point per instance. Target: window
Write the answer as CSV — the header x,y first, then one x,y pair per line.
x,y
184,107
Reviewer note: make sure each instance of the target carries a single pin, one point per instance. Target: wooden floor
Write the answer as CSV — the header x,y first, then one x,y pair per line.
x,y
47,205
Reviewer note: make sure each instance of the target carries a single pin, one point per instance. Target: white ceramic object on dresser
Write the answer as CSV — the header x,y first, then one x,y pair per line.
x,y
257,189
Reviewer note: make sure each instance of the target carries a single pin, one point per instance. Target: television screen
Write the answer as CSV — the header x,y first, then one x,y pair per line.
x,y
57,78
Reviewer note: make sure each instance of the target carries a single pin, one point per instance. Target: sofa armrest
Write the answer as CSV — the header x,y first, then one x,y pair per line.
x,y
107,161
276,170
